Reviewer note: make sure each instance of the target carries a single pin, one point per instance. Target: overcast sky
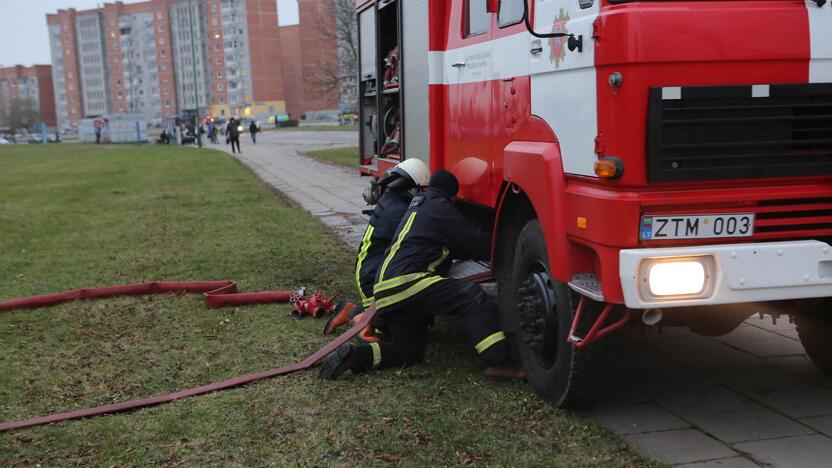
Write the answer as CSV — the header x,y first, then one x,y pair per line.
x,y
23,35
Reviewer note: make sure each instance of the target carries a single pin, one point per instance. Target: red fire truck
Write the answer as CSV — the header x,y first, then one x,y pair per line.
x,y
663,160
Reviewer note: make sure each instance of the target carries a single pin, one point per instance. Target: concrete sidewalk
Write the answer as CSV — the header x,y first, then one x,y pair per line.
x,y
330,192
749,398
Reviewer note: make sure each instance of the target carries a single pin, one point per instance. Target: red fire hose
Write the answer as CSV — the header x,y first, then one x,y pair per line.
x,y
217,294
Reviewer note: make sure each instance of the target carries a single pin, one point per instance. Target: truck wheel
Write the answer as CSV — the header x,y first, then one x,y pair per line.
x,y
563,375
814,326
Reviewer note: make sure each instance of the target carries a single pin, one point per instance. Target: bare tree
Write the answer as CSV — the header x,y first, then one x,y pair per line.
x,y
20,113
338,79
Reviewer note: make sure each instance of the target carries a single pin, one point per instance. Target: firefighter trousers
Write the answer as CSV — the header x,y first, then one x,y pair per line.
x,y
406,325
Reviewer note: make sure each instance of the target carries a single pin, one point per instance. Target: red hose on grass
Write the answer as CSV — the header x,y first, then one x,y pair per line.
x,y
217,294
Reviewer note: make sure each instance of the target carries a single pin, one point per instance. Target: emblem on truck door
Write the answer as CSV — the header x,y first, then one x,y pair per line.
x,y
557,49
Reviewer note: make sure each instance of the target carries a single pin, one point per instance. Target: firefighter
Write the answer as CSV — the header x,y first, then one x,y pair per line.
x,y
411,289
398,189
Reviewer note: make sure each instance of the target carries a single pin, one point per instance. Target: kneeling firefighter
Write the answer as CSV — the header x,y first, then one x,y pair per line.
x,y
411,289
397,190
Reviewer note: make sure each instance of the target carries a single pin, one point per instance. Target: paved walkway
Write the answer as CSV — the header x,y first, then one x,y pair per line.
x,y
330,192
749,398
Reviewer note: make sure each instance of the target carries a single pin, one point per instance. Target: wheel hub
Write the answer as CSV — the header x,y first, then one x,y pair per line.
x,y
537,313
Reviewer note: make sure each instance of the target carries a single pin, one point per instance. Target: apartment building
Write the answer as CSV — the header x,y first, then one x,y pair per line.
x,y
33,83
166,57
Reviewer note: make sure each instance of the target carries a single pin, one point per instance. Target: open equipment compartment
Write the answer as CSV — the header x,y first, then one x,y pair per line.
x,y
391,106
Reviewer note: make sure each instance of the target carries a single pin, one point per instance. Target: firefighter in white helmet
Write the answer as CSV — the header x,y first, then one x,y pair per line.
x,y
398,189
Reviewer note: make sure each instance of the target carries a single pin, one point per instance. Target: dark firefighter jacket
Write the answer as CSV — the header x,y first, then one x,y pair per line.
x,y
377,238
432,232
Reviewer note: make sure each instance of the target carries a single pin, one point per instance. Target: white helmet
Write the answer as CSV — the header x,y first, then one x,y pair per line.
x,y
415,170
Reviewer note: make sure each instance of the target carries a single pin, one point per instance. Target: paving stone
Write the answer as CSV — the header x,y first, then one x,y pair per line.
x,y
772,346
632,419
733,462
745,425
822,424
670,378
680,446
696,343
813,451
794,395
718,361
703,400
747,332
782,324
336,221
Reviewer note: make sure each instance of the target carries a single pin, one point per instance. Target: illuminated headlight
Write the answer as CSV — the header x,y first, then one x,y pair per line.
x,y
676,277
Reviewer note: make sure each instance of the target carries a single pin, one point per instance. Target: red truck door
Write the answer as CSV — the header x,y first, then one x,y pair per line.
x,y
468,68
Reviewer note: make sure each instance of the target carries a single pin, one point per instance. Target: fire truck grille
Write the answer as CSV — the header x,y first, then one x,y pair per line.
x,y
783,219
730,132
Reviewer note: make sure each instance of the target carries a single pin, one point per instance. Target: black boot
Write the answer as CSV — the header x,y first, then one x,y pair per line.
x,y
357,358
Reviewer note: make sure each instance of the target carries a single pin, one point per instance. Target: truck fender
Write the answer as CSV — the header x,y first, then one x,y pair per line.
x,y
535,168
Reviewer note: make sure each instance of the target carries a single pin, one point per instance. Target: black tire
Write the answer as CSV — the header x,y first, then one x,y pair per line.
x,y
814,326
565,376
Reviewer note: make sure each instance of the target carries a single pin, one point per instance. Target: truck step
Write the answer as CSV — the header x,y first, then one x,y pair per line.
x,y
467,268
588,285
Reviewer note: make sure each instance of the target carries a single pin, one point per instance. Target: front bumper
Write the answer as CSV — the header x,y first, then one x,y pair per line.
x,y
742,273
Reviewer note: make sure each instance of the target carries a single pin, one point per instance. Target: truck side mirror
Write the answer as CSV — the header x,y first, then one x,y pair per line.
x,y
492,6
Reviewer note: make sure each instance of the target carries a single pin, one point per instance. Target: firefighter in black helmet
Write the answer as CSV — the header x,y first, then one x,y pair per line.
x,y
411,288
398,190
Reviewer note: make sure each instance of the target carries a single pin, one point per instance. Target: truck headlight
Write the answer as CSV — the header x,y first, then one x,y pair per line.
x,y
676,277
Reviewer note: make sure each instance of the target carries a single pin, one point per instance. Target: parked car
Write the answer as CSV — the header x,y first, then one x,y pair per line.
x,y
35,138
4,141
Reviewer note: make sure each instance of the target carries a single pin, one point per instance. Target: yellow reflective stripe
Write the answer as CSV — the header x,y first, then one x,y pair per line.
x,y
362,254
376,354
445,253
416,288
397,244
397,281
489,341
367,302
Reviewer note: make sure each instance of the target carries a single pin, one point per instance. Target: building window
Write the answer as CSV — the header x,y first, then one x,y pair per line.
x,y
167,103
219,87
219,73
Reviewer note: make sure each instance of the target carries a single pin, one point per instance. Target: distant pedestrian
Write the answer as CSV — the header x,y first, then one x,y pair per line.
x,y
233,133
97,134
252,128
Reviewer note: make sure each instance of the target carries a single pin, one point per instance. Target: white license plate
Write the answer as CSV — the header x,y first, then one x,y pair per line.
x,y
697,227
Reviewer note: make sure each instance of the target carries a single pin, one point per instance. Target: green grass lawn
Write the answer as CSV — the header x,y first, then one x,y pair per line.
x,y
75,216
342,156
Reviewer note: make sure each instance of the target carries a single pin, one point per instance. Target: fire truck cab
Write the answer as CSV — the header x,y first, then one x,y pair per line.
x,y
668,161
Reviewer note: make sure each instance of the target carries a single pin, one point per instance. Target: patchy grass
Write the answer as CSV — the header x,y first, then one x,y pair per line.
x,y
342,156
76,216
